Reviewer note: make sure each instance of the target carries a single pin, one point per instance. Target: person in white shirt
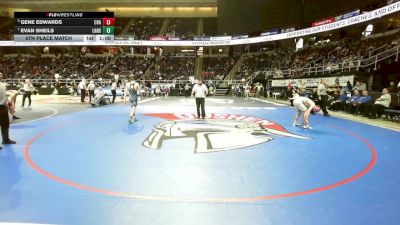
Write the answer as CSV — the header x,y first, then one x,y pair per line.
x,y
114,90
55,91
360,86
116,79
246,91
381,103
12,99
4,119
303,105
28,87
323,96
200,91
82,87
91,88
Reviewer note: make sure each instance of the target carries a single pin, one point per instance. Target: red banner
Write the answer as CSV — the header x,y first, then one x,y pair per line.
x,y
323,22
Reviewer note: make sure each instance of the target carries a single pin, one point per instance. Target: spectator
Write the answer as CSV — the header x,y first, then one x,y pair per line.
x,y
392,88
381,103
340,103
187,90
350,102
363,103
349,87
360,86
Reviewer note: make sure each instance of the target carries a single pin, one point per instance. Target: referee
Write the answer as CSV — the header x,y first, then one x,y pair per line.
x,y
82,87
200,91
91,88
323,96
114,90
4,119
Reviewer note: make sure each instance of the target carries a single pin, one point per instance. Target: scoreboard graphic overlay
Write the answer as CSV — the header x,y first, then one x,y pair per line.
x,y
63,26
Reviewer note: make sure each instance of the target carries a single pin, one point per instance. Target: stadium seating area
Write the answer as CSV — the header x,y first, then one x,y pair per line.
x,y
30,66
216,68
254,63
185,29
314,60
83,66
135,66
144,28
173,68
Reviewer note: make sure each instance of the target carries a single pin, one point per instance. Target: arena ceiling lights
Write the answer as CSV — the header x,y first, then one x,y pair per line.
x,y
223,41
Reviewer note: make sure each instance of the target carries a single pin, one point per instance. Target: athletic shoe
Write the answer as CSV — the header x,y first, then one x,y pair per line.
x,y
9,142
295,124
16,118
307,127
134,120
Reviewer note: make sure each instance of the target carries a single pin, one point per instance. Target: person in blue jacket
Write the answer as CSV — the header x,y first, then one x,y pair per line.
x,y
350,103
340,103
362,103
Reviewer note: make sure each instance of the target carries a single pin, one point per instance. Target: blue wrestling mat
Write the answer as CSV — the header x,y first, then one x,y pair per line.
x,y
241,165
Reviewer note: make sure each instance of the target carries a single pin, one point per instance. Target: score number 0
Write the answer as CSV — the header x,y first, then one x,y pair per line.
x,y
108,21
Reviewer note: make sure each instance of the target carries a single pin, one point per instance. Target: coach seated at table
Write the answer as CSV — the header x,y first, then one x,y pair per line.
x,y
363,103
340,103
350,104
381,103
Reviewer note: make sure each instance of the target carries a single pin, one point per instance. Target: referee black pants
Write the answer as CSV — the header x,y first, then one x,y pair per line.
x,y
200,105
91,95
83,95
4,122
27,94
114,94
323,103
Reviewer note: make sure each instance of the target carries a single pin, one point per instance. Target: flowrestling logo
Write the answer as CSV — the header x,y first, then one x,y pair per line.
x,y
218,132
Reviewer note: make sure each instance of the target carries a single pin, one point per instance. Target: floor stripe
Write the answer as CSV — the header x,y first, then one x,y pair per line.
x,y
23,223
149,99
196,199
41,118
265,101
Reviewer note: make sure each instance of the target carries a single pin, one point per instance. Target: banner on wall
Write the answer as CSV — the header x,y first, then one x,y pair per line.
x,y
243,36
205,41
348,15
201,38
324,21
271,32
158,38
314,82
221,38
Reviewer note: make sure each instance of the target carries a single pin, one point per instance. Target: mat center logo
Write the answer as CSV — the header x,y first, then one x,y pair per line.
x,y
218,132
